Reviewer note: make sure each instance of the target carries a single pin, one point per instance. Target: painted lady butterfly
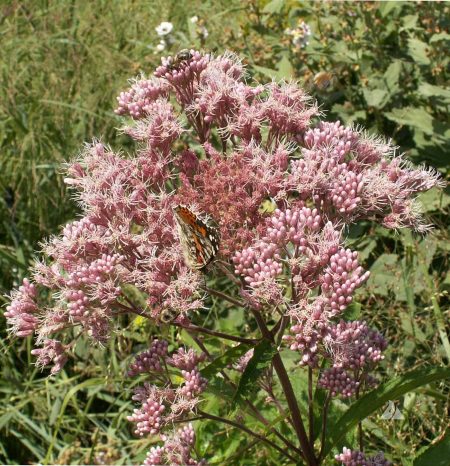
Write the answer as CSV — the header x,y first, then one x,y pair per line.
x,y
199,237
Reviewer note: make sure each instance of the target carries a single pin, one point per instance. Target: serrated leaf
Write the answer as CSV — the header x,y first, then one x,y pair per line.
x,y
375,399
428,90
440,36
262,357
220,387
392,76
224,360
376,97
418,50
409,22
416,117
436,455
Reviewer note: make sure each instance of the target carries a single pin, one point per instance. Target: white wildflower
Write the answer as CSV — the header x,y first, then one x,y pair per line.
x,y
164,28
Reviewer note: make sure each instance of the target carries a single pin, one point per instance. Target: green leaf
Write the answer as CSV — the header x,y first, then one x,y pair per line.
x,y
386,8
219,387
428,90
392,76
416,117
437,37
274,7
383,274
409,22
434,199
352,311
418,51
224,360
262,356
273,74
285,69
375,399
437,454
376,97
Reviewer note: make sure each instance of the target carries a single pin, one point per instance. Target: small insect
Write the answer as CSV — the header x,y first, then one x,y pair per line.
x,y
323,80
182,56
199,237
168,315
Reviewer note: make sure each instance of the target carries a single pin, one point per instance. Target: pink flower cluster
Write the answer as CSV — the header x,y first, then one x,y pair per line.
x,y
137,101
281,193
22,309
52,352
149,360
353,176
357,458
176,449
162,403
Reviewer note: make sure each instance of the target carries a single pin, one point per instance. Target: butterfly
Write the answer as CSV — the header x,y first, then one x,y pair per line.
x,y
199,237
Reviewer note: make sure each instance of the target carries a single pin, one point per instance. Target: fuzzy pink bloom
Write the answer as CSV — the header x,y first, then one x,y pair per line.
x,y
186,360
52,351
242,362
159,129
209,138
20,313
353,345
137,101
176,450
288,109
154,457
300,229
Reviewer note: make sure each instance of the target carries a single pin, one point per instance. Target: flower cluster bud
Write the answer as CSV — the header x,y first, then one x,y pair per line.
x,y
95,271
338,381
342,276
194,383
148,417
137,101
52,351
20,312
149,360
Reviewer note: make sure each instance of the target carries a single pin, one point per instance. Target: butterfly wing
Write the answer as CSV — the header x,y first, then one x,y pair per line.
x,y
199,239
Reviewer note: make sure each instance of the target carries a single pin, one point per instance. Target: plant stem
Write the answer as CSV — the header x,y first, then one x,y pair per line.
x,y
324,426
252,407
310,404
289,394
248,431
224,296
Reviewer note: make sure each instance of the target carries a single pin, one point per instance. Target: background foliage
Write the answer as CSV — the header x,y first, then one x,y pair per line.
x,y
63,63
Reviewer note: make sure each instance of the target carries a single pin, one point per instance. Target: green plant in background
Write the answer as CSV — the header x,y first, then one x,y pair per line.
x,y
381,65
384,65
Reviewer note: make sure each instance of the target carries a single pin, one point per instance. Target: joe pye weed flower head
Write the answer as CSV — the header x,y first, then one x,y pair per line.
x,y
243,146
